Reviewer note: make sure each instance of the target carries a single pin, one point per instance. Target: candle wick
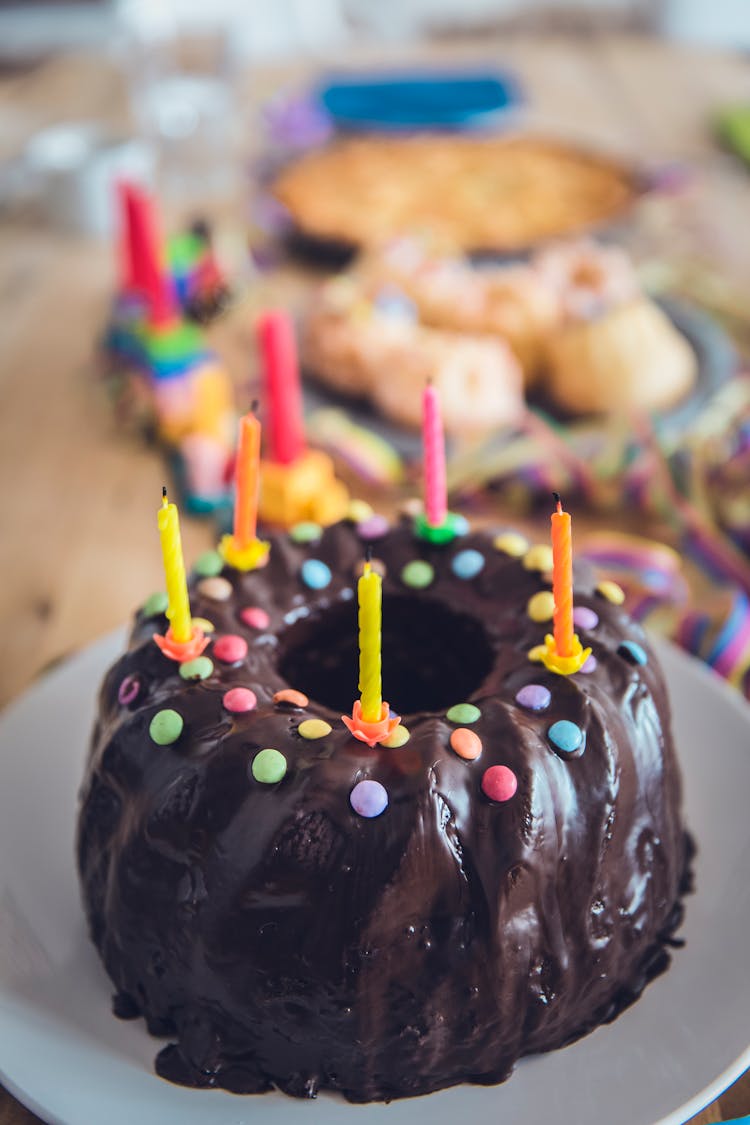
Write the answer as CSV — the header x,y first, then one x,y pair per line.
x,y
368,553
164,500
558,501
254,406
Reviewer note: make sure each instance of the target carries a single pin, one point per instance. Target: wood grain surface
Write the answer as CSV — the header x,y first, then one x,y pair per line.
x,y
77,551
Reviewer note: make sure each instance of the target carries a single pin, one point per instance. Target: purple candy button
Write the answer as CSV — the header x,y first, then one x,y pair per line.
x,y
128,691
535,697
368,798
374,527
590,665
585,618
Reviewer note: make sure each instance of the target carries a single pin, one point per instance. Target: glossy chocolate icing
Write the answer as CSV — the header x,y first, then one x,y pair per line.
x,y
280,938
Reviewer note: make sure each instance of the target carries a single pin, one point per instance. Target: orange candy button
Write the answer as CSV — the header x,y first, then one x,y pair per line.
x,y
466,743
289,695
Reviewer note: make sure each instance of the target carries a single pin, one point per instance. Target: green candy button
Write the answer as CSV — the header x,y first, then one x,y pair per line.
x,y
166,727
209,564
269,766
418,574
198,669
463,713
305,532
156,604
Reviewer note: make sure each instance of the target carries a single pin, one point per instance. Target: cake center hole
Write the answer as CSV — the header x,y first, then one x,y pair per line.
x,y
432,656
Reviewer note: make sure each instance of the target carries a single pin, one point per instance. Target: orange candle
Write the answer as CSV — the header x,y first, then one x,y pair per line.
x,y
247,481
562,581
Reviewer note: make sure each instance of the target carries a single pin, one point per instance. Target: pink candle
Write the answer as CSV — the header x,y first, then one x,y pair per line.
x,y
433,446
286,435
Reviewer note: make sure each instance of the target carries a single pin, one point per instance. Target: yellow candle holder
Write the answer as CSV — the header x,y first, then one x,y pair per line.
x,y
182,651
252,557
372,732
562,665
307,489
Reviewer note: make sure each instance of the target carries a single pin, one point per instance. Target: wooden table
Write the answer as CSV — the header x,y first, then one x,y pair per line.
x,y
76,508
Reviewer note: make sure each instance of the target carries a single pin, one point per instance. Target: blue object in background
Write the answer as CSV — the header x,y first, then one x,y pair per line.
x,y
420,100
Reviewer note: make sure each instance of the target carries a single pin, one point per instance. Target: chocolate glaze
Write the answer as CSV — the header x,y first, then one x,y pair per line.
x,y
281,939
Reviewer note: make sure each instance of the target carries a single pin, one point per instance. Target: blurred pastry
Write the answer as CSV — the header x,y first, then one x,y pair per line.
x,y
586,278
630,358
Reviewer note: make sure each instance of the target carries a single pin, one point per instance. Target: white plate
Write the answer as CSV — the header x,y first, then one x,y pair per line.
x,y
70,1060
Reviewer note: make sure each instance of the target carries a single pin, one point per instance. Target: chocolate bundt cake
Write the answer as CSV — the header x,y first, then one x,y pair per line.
x,y
297,909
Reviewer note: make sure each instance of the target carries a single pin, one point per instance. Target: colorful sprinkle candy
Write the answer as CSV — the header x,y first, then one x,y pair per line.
x,y
165,727
314,728
217,589
633,652
209,564
368,799
374,527
541,606
238,700
567,738
499,783
129,690
198,669
467,564
538,557
292,697
269,766
155,604
230,649
585,618
466,743
255,617
306,532
611,591
418,574
463,713
534,697
399,737
315,574
511,543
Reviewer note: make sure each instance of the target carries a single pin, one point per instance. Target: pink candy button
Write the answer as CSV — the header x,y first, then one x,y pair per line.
x,y
230,649
239,699
255,617
499,783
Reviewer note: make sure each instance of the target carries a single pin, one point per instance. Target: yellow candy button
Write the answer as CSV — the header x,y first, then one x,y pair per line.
x,y
611,591
218,589
541,606
511,543
314,728
358,511
399,737
538,557
204,624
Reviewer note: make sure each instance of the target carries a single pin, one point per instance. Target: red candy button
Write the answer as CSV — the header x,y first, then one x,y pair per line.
x,y
255,617
230,649
499,783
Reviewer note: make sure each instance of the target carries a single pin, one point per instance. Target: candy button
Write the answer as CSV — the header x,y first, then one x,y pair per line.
x,y
567,738
499,783
255,617
314,728
230,649
541,607
375,527
466,743
463,713
217,589
376,564
585,618
156,604
269,766
633,652
399,737
590,665
204,624
611,591
305,532
239,699
129,690
538,557
358,511
368,798
467,564
315,574
418,574
292,697
209,564
165,727
459,523
534,697
198,669
511,543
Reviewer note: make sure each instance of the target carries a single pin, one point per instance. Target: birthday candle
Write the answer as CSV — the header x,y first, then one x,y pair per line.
x,y
283,396
247,481
562,581
433,444
178,609
369,592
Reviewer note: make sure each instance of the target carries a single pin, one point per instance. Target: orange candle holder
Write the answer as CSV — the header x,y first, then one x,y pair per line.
x,y
563,665
182,651
371,733
306,489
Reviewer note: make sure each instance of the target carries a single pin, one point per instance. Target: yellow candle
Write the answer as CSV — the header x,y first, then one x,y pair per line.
x,y
370,596
178,610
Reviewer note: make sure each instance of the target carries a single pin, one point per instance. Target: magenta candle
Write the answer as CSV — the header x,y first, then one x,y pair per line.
x,y
285,431
433,446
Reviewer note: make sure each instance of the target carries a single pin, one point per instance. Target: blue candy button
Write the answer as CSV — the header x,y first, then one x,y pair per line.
x,y
567,738
467,564
315,574
633,652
